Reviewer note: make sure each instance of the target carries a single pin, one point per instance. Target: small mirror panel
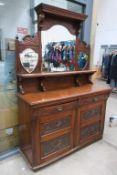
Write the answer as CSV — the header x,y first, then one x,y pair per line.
x,y
82,60
29,59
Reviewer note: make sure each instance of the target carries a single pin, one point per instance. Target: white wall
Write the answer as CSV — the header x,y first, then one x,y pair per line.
x,y
106,32
14,14
58,3
96,5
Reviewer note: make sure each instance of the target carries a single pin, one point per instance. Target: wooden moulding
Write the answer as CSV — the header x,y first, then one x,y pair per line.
x,y
52,74
49,15
49,81
56,11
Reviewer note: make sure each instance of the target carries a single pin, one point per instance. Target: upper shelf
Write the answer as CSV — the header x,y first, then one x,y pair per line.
x,y
59,13
52,74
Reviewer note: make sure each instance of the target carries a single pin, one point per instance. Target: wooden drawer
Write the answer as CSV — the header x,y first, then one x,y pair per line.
x,y
56,109
92,99
90,131
56,122
90,113
56,147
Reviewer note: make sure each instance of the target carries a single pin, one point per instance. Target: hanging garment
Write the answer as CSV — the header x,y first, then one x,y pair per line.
x,y
108,68
105,66
113,68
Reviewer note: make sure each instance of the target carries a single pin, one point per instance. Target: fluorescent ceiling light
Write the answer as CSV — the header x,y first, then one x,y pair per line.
x,y
2,3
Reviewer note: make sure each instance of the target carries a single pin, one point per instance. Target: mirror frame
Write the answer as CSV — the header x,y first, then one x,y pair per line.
x,y
25,60
49,16
27,42
85,48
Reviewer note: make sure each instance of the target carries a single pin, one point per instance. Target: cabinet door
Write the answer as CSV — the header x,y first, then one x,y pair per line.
x,y
56,146
90,119
90,132
56,134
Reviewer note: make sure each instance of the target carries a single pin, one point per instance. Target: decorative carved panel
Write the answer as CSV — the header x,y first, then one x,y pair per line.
x,y
89,130
56,144
93,99
55,125
91,113
28,55
83,55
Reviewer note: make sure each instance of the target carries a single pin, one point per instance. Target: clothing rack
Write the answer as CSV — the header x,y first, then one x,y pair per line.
x,y
110,50
109,65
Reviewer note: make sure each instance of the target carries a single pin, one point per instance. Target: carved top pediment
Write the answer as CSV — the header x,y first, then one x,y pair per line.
x,y
49,16
29,40
59,12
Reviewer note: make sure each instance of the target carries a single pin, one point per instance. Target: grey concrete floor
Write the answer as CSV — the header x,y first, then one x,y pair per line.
x,y
99,158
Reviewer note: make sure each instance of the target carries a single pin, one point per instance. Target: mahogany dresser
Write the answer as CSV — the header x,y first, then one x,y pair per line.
x,y
60,109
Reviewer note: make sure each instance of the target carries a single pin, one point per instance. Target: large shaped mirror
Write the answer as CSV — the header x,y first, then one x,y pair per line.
x,y
29,59
58,50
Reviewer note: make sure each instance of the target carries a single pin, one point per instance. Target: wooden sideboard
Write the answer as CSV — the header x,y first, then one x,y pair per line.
x,y
57,122
59,112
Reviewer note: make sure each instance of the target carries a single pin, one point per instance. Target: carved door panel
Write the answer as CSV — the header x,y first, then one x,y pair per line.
x,y
89,132
55,147
90,120
55,125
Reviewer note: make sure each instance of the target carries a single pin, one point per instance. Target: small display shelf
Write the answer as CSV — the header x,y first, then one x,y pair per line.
x,y
51,74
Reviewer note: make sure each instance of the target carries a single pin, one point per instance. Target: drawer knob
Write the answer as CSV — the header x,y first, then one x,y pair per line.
x,y
60,108
95,99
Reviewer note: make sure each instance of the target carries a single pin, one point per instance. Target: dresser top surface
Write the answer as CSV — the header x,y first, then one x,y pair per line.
x,y
63,94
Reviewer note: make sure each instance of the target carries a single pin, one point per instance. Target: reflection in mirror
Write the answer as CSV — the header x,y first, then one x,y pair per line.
x,y
58,50
29,59
82,60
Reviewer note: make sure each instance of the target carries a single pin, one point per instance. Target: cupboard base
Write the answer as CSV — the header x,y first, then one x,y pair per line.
x,y
83,145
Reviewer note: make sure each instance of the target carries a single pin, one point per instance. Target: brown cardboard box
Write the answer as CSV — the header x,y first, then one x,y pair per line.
x,y
8,109
8,117
8,141
97,75
7,99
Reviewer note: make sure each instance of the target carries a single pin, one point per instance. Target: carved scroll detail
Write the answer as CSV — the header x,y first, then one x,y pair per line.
x,y
41,17
20,86
43,88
